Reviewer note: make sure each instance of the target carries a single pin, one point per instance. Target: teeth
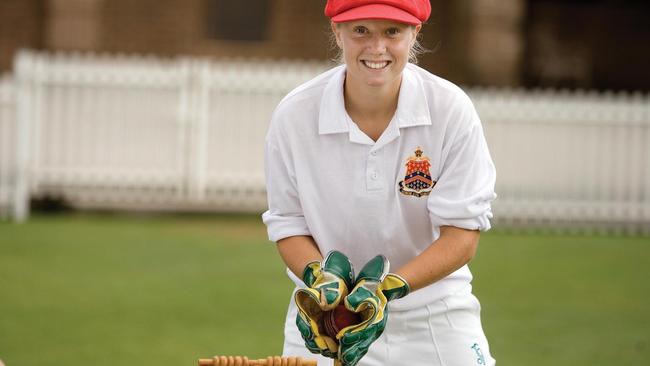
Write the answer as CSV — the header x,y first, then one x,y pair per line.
x,y
376,65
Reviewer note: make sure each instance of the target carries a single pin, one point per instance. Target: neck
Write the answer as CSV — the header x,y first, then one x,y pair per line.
x,y
371,105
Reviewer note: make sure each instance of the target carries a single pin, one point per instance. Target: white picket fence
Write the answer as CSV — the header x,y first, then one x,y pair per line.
x,y
569,159
139,133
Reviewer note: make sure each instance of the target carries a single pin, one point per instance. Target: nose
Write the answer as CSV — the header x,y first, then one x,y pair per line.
x,y
376,45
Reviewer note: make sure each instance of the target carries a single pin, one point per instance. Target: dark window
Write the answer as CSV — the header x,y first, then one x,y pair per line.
x,y
587,44
238,20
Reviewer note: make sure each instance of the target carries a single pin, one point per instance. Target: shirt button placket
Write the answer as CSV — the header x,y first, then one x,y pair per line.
x,y
373,171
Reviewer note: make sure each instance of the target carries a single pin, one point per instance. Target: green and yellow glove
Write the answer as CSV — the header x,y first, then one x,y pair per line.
x,y
328,282
373,289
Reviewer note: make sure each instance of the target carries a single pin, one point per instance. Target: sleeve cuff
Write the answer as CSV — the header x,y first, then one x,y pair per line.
x,y
280,226
464,215
481,223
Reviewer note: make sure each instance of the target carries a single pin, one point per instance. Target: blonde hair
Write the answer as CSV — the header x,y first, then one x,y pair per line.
x,y
417,49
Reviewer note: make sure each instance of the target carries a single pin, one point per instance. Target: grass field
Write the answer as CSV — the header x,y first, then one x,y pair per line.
x,y
144,290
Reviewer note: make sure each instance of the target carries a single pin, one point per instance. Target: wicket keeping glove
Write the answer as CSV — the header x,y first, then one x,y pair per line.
x,y
374,288
328,282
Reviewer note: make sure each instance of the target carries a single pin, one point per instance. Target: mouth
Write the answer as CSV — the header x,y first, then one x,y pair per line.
x,y
375,65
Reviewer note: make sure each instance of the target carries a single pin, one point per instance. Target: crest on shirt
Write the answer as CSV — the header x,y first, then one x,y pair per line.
x,y
417,181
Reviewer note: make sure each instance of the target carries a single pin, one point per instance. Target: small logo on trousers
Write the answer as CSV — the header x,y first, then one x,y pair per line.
x,y
479,354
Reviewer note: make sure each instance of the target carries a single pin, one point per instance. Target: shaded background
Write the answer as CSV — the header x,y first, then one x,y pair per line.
x,y
596,44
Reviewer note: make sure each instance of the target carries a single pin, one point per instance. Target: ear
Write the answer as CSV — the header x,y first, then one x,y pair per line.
x,y
416,31
337,33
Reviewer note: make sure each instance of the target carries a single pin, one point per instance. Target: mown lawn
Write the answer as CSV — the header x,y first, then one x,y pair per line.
x,y
165,290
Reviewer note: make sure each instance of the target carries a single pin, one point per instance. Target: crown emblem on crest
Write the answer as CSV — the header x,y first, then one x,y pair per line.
x,y
417,180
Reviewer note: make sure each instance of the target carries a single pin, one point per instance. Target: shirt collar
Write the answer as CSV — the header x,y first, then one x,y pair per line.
x,y
412,106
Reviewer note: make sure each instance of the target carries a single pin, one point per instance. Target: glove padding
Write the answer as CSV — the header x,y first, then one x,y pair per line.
x,y
374,287
328,282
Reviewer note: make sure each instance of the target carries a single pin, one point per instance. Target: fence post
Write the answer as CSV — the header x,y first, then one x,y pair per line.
x,y
193,119
7,134
24,81
199,151
184,119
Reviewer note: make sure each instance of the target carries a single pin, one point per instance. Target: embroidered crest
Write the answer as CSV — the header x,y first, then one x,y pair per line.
x,y
417,181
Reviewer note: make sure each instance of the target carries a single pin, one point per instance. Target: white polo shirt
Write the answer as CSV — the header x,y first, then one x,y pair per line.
x,y
327,179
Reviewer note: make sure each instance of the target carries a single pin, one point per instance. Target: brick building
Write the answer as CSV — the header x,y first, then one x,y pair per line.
x,y
570,43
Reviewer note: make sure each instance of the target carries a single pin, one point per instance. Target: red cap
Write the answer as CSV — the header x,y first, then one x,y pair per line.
x,y
403,11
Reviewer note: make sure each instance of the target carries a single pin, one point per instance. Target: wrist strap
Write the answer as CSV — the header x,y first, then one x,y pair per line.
x,y
394,287
310,273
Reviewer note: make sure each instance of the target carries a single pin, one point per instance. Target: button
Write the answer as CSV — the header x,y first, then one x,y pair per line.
x,y
374,175
374,153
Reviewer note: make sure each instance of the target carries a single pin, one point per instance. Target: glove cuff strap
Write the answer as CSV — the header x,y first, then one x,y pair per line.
x,y
395,286
311,272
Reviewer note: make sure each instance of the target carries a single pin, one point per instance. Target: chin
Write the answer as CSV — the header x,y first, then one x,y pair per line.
x,y
381,80
376,83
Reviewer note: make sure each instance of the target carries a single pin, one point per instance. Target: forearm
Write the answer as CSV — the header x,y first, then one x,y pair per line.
x,y
455,248
297,252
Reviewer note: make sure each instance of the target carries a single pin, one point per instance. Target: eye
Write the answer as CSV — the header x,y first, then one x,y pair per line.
x,y
360,29
393,31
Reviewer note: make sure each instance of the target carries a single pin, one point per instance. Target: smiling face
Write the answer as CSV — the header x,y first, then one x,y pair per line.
x,y
375,51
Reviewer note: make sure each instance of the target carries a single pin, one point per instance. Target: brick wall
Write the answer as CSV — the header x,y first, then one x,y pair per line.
x,y
475,42
148,26
73,24
21,26
296,29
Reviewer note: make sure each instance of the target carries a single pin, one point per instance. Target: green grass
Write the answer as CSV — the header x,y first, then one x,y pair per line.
x,y
166,290
565,300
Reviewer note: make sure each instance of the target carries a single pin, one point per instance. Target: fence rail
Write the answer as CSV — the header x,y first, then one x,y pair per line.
x,y
103,131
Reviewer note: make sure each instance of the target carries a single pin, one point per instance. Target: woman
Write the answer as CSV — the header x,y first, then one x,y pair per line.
x,y
378,161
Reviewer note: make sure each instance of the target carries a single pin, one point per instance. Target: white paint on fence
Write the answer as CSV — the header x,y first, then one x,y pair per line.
x,y
187,134
569,158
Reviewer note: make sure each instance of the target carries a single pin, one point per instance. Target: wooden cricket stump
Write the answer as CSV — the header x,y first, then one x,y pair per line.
x,y
269,361
244,361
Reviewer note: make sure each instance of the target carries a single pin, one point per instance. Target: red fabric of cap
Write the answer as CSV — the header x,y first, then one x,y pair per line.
x,y
404,11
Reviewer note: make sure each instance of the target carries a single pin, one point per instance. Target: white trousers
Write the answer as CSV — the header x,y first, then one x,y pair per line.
x,y
447,332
